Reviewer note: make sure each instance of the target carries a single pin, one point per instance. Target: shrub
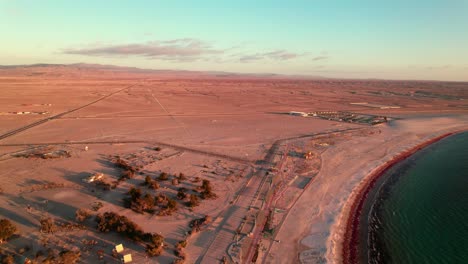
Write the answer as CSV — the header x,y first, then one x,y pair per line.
x,y
180,253
140,205
153,251
47,225
161,198
156,244
182,177
97,205
181,244
156,239
148,180
128,174
135,193
171,204
82,214
178,261
7,229
154,185
207,192
175,181
163,176
181,193
194,201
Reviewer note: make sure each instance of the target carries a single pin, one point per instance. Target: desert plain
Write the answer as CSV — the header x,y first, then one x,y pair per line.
x,y
280,183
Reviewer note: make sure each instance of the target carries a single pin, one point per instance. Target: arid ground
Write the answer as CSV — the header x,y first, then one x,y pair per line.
x,y
281,182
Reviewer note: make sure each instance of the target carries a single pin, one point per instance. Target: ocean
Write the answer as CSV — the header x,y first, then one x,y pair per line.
x,y
418,211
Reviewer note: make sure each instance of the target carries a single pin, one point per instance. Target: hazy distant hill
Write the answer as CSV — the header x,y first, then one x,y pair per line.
x,y
80,70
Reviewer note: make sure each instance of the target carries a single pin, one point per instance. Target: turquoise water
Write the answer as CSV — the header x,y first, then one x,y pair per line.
x,y
420,212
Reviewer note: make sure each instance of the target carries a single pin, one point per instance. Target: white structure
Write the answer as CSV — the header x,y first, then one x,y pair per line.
x,y
127,258
119,248
94,177
294,113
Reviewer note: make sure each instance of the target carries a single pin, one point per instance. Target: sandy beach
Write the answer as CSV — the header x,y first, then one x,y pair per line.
x,y
349,166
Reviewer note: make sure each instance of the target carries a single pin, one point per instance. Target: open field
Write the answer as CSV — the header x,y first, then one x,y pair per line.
x,y
280,181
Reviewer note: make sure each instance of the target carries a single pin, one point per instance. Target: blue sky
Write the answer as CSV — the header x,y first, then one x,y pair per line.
x,y
350,39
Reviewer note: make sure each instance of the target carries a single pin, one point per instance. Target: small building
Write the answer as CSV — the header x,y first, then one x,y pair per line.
x,y
95,177
119,248
127,258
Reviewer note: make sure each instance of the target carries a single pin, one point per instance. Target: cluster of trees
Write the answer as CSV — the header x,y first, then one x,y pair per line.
x,y
138,202
145,203
128,170
110,221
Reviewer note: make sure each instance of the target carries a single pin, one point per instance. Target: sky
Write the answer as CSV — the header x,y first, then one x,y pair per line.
x,y
343,39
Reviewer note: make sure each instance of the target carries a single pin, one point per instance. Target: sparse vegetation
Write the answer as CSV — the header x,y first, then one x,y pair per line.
x,y
71,257
7,229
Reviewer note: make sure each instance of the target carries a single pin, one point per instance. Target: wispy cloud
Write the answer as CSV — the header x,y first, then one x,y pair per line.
x,y
318,58
186,49
280,55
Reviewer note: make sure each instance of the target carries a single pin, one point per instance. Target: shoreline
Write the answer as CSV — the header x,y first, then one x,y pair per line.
x,y
349,250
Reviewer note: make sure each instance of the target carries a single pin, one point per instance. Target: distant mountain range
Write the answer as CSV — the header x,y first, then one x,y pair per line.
x,y
81,69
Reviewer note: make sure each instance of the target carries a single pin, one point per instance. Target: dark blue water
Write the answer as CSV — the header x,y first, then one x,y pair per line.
x,y
419,214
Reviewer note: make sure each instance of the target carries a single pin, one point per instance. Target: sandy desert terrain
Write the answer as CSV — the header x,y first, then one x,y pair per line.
x,y
281,182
